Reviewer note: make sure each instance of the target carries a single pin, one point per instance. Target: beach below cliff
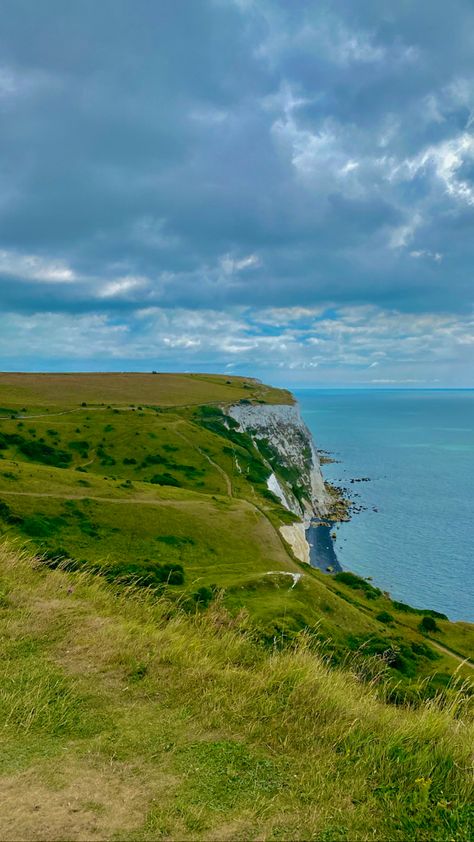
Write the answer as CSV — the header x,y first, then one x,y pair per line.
x,y
322,552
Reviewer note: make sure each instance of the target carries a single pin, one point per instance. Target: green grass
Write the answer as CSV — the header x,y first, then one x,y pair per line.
x,y
20,391
163,674
125,489
125,717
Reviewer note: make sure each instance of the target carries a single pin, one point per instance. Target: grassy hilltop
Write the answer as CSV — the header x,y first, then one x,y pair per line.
x,y
124,389
125,718
159,652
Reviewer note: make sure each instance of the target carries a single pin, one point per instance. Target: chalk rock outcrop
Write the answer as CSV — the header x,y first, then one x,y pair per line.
x,y
285,441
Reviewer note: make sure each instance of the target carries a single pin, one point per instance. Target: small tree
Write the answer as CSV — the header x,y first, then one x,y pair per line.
x,y
428,625
384,617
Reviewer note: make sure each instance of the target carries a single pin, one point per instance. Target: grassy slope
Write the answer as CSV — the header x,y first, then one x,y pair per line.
x,y
103,507
124,718
126,388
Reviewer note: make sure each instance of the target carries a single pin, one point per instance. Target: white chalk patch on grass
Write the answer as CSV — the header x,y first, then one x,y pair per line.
x,y
295,576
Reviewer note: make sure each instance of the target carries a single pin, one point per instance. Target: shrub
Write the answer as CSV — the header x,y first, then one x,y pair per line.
x,y
7,515
164,479
402,606
269,495
428,624
57,554
175,540
79,445
107,460
41,526
395,654
204,595
4,510
207,411
172,574
146,573
384,617
257,472
354,581
424,650
40,452
155,459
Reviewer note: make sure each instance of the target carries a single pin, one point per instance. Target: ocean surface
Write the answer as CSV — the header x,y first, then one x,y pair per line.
x,y
417,449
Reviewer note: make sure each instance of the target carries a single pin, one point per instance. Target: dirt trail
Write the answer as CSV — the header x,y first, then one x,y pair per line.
x,y
141,501
55,414
230,493
211,461
137,500
120,408
463,659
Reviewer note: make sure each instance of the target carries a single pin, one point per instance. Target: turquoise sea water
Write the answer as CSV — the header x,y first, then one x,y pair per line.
x,y
417,448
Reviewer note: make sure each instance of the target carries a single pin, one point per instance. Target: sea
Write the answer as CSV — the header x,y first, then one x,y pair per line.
x,y
407,460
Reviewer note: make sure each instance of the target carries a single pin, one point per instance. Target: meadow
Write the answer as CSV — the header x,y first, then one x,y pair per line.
x,y
164,492
164,649
125,717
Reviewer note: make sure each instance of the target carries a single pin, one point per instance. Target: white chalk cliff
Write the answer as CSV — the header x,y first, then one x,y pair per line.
x,y
285,441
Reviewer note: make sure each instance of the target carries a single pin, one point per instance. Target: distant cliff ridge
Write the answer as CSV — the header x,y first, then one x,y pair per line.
x,y
285,442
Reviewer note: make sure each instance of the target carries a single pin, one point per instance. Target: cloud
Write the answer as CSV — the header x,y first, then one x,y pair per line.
x,y
121,286
21,82
230,265
447,160
31,267
281,169
347,341
431,255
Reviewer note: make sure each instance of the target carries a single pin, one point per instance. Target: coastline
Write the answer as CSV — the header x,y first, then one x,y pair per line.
x,y
320,533
406,461
322,552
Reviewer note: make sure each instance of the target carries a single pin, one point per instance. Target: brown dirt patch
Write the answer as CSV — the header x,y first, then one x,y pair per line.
x,y
79,802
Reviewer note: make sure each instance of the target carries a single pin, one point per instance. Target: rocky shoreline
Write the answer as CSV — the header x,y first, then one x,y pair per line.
x,y
286,443
320,533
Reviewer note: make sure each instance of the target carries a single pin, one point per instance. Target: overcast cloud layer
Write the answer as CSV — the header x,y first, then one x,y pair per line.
x,y
283,189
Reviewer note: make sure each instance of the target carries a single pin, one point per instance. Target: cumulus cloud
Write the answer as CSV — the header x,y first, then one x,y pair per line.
x,y
351,340
121,286
431,255
230,264
31,267
298,176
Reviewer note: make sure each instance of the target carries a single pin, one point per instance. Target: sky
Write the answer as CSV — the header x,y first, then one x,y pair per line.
x,y
276,189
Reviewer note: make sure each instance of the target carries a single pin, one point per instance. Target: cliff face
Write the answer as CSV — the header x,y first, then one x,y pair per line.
x,y
285,442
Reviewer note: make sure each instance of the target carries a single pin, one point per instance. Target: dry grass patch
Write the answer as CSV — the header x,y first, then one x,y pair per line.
x,y
64,800
18,388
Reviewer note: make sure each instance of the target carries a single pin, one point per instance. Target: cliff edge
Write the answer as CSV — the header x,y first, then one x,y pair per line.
x,y
286,444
